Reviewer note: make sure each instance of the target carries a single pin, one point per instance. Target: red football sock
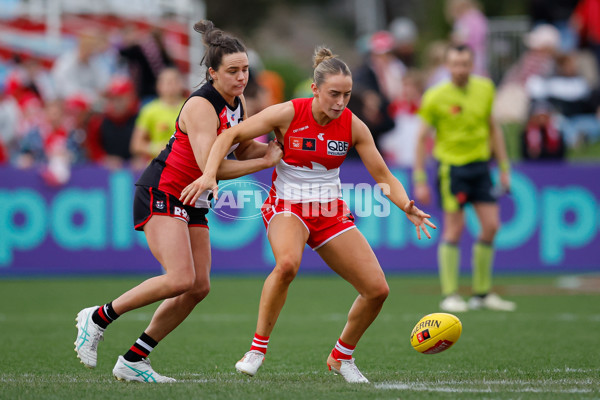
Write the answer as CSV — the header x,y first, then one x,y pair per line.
x,y
342,351
260,343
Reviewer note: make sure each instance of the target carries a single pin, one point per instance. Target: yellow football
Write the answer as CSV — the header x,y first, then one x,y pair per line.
x,y
435,333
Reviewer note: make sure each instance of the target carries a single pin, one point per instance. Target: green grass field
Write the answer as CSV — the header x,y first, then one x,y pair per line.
x,y
547,349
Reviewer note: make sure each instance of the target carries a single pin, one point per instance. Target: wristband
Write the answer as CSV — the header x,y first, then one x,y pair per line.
x,y
419,176
504,166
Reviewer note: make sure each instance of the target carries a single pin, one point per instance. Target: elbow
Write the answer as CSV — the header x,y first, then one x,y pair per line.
x,y
230,135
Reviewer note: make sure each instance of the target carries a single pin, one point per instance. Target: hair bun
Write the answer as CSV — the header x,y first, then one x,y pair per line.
x,y
204,26
322,53
211,35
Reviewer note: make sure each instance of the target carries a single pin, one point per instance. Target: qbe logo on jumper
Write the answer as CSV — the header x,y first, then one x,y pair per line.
x,y
337,148
240,200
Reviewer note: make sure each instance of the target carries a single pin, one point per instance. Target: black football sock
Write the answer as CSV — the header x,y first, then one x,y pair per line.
x,y
104,315
141,348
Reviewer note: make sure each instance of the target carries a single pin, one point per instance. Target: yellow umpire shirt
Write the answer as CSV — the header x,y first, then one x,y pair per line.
x,y
460,117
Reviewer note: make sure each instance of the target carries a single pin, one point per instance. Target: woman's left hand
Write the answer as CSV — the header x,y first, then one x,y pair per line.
x,y
419,218
191,192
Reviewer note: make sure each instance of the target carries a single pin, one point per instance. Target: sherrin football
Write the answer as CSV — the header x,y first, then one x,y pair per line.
x,y
435,333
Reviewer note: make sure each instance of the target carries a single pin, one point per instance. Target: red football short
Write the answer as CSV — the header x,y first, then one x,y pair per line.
x,y
323,221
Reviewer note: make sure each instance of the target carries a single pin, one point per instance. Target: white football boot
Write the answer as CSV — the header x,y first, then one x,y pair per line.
x,y
348,370
140,371
88,336
491,302
454,303
250,363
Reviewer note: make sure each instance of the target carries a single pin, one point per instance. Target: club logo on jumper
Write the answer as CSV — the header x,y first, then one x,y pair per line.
x,y
160,204
320,136
423,336
228,118
298,143
337,148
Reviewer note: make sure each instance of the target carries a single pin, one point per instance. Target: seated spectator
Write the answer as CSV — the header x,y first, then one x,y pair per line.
x,y
9,119
19,90
399,145
79,71
146,56
557,13
572,98
541,139
44,146
405,34
80,120
386,69
32,77
377,82
117,121
512,101
156,122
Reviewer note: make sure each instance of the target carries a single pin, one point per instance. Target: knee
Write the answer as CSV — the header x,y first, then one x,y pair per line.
x,y
488,232
199,291
286,269
378,292
180,284
452,234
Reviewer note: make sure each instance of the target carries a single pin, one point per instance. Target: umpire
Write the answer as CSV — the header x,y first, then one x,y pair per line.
x,y
457,114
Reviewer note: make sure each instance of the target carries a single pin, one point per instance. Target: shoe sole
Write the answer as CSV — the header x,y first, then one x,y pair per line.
x,y
127,380
241,371
118,378
75,344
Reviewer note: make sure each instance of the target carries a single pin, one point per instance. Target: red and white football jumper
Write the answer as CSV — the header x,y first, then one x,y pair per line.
x,y
306,180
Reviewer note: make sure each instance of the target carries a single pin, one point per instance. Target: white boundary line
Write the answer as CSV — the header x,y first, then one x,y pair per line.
x,y
421,387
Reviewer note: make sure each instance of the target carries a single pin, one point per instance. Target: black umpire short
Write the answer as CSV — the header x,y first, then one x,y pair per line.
x,y
469,183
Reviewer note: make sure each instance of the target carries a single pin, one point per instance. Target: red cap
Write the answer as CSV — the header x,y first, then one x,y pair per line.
x,y
382,42
120,86
77,102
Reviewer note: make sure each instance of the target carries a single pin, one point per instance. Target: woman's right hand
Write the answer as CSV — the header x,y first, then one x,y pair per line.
x,y
191,192
274,153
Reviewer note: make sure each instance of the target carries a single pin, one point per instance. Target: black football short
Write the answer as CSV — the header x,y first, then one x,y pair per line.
x,y
459,185
149,201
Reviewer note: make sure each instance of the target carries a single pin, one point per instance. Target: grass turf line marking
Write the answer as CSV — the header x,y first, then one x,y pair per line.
x,y
425,388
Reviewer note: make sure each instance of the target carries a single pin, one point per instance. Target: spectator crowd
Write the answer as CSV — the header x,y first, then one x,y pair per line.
x,y
114,101
550,93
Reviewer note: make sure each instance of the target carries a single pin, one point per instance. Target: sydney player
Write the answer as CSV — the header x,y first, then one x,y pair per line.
x,y
305,205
